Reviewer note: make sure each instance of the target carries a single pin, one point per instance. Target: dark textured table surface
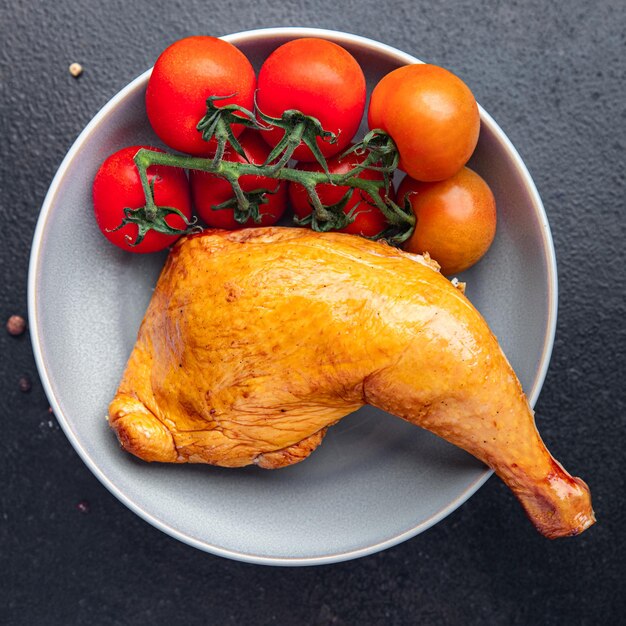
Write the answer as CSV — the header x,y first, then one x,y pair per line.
x,y
552,75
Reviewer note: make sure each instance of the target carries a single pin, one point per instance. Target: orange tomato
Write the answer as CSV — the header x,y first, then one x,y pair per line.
x,y
431,115
456,219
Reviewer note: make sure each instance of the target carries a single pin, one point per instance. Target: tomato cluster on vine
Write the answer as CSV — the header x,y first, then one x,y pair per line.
x,y
288,139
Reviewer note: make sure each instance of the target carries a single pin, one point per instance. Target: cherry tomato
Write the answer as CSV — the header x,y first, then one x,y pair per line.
x,y
209,190
117,186
320,79
184,76
369,220
456,219
431,115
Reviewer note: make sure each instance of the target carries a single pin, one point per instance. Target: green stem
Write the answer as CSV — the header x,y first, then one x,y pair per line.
x,y
242,201
151,208
320,210
221,146
232,171
287,146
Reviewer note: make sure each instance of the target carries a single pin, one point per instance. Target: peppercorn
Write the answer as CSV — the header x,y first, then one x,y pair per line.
x,y
16,325
25,384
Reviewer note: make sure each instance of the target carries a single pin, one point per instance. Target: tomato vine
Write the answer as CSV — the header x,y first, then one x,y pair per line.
x,y
379,149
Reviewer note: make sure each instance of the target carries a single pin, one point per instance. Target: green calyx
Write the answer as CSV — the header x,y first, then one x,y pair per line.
x,y
377,152
382,154
217,123
249,209
298,128
325,218
151,219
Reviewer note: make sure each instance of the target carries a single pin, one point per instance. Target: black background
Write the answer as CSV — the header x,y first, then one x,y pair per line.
x,y
552,75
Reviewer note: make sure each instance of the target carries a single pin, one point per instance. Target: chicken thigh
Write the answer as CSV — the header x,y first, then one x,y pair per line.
x,y
256,341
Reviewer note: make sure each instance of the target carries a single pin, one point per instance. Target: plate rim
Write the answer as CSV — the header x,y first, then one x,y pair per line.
x,y
33,275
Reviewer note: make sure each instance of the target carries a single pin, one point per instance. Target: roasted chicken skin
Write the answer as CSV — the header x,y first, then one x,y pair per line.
x,y
256,341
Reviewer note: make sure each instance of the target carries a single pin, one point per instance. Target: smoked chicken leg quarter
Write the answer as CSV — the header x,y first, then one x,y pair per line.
x,y
257,341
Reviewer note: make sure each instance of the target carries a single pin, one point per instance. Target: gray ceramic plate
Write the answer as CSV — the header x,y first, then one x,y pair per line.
x,y
376,480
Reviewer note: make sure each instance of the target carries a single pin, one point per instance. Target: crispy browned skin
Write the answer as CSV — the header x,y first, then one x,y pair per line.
x,y
256,341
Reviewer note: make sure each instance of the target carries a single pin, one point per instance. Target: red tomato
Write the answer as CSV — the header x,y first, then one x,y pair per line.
x,y
432,117
456,219
369,220
209,190
320,79
184,76
117,186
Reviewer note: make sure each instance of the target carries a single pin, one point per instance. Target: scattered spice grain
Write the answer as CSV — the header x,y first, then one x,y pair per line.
x,y
76,69
16,325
